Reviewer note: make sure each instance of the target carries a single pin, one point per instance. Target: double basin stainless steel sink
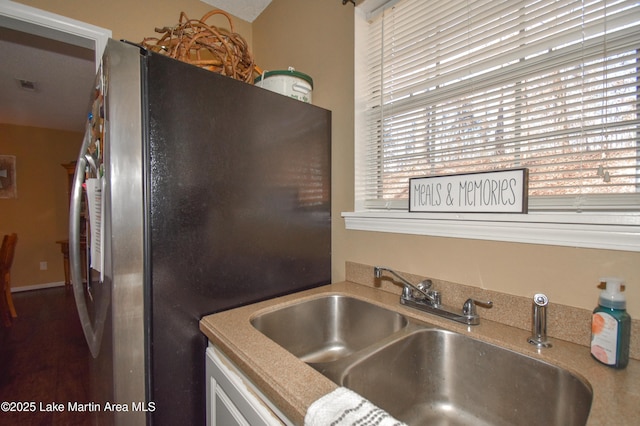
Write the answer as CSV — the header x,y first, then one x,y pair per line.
x,y
422,374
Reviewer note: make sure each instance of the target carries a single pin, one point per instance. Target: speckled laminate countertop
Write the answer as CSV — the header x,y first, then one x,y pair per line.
x,y
293,386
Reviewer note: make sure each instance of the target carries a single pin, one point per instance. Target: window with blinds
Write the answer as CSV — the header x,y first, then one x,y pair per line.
x,y
458,86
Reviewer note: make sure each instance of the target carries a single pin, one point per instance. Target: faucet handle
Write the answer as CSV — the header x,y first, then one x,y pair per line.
x,y
425,285
469,307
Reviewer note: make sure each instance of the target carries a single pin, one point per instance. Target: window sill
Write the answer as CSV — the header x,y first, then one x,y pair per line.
x,y
618,231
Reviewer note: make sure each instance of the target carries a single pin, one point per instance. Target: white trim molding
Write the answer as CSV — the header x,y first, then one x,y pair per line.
x,y
38,287
28,19
585,230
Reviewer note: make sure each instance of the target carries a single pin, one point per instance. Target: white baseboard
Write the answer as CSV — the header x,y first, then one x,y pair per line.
x,y
37,286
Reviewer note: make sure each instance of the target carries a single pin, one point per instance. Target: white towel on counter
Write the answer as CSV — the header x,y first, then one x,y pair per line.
x,y
344,407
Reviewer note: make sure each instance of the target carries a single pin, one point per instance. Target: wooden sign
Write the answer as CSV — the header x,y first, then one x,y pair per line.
x,y
504,191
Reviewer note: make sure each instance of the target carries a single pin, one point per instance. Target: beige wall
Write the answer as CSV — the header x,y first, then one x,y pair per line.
x,y
40,213
135,20
316,37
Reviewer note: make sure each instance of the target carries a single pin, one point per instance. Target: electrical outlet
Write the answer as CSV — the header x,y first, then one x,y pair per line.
x,y
43,266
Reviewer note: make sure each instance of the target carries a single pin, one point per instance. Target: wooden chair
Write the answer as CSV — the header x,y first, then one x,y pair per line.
x,y
6,259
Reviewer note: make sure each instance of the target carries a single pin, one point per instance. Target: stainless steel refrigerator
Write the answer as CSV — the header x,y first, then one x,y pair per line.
x,y
205,193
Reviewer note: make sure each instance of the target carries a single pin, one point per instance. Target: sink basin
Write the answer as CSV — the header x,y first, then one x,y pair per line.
x,y
422,374
439,377
328,328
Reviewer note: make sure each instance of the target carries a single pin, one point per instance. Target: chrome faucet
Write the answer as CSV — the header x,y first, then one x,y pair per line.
x,y
539,336
423,298
423,289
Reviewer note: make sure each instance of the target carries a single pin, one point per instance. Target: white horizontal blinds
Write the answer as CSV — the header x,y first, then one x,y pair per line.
x,y
459,86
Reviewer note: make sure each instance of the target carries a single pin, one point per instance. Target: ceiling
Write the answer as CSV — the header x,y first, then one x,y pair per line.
x,y
61,73
243,9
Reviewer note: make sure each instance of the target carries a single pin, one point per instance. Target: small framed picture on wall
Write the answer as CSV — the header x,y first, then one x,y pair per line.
x,y
8,187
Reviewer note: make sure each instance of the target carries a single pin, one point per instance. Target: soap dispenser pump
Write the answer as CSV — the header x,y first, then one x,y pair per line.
x,y
611,325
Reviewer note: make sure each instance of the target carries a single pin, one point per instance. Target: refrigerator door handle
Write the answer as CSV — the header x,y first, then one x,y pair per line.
x,y
92,331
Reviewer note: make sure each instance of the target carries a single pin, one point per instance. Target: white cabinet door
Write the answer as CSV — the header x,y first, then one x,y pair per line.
x,y
231,399
223,411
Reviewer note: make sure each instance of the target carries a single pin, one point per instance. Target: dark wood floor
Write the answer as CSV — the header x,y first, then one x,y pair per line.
x,y
44,359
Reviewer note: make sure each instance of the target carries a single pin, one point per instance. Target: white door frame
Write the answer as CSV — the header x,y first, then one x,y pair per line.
x,y
20,17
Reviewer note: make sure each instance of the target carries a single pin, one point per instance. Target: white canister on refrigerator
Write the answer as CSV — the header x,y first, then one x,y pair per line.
x,y
291,83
